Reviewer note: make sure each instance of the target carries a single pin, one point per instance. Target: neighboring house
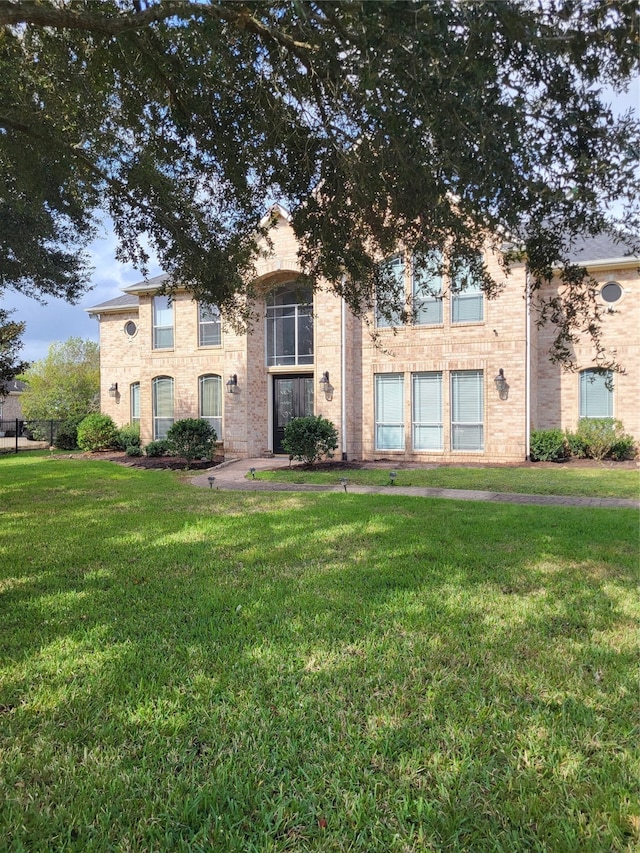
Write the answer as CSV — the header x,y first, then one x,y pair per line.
x,y
10,408
422,392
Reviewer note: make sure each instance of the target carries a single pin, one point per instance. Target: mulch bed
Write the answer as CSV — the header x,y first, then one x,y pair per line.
x,y
167,463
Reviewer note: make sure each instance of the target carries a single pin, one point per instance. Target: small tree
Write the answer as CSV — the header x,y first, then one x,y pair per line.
x,y
97,432
192,438
310,439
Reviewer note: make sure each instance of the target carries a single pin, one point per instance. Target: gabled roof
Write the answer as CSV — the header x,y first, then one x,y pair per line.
x,y
111,306
147,285
12,386
602,248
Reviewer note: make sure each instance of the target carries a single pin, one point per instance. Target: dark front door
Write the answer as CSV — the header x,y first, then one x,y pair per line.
x,y
292,398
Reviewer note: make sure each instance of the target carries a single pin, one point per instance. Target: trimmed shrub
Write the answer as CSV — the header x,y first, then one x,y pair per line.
x,y
310,439
547,445
601,435
624,448
157,448
67,435
576,445
129,436
97,432
192,438
133,450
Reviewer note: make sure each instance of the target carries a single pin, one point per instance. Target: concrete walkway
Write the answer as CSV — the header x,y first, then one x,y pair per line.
x,y
232,475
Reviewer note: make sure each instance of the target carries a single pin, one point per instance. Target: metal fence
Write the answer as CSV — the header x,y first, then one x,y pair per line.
x,y
17,435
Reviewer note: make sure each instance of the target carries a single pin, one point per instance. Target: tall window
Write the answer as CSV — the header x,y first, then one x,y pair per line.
x,y
211,402
389,411
390,298
427,289
427,411
209,326
467,410
162,323
596,394
290,326
134,402
467,299
162,387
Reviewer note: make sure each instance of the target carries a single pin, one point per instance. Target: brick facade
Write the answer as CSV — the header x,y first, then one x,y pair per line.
x,y
344,346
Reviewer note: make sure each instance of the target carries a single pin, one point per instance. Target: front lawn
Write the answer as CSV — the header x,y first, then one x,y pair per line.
x,y
604,482
188,669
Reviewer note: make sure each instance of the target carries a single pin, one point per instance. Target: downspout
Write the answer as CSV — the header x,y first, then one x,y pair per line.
x,y
343,374
527,374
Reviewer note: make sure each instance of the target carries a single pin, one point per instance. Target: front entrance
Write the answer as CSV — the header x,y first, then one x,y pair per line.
x,y
292,398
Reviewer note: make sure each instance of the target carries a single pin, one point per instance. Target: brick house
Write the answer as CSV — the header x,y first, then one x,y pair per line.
x,y
423,391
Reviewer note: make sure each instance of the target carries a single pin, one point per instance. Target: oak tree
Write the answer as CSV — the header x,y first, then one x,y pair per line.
x,y
426,124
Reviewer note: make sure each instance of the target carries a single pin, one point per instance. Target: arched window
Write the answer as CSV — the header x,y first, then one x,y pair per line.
x,y
290,325
596,394
162,387
210,395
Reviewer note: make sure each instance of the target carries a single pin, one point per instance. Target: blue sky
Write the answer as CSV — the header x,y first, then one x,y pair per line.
x,y
57,320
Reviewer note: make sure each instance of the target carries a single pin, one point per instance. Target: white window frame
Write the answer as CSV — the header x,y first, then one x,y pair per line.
x,y
467,297
395,267
134,402
163,331
385,424
427,428
214,421
301,314
427,290
595,394
209,325
467,415
162,422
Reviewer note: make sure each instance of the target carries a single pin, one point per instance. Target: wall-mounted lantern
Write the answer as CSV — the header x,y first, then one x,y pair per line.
x,y
232,384
501,385
326,386
113,389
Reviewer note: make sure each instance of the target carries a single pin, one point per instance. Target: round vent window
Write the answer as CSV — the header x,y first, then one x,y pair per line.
x,y
611,292
130,329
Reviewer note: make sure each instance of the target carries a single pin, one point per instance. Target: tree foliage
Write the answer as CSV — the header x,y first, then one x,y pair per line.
x,y
66,384
379,124
10,346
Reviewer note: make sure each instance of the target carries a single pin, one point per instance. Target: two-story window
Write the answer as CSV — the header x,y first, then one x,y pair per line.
x,y
467,410
210,394
427,410
389,414
596,394
390,297
427,289
209,326
467,298
162,322
289,320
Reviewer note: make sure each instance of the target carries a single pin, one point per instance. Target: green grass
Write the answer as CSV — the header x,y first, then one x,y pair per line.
x,y
188,669
560,480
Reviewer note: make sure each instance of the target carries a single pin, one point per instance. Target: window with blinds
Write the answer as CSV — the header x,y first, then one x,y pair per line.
x,y
467,410
467,298
427,289
134,400
389,411
427,430
596,394
162,392
162,323
209,326
390,298
211,402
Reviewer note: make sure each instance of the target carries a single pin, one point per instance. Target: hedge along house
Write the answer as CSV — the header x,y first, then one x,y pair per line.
x,y
465,380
